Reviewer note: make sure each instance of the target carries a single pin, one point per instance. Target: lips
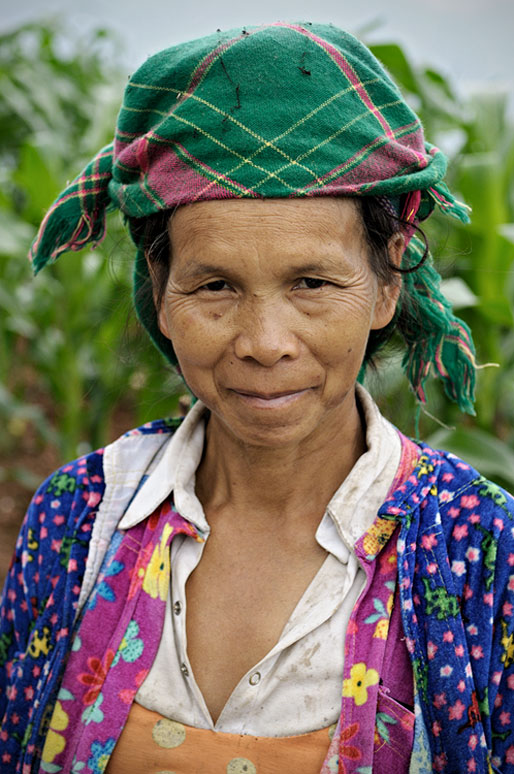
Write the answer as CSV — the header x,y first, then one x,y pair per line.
x,y
268,395
268,400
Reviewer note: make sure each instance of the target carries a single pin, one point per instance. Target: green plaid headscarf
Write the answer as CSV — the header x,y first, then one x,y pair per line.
x,y
281,110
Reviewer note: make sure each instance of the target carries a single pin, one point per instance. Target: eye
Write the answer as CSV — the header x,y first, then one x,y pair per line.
x,y
215,286
312,283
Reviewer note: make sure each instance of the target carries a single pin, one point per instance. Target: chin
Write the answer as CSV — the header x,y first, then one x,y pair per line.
x,y
270,431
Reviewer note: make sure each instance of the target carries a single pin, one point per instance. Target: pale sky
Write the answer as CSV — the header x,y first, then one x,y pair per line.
x,y
469,40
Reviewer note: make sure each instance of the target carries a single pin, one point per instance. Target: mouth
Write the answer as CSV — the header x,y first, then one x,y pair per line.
x,y
270,399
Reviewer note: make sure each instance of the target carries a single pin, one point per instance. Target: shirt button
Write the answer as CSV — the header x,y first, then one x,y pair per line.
x,y
184,670
255,678
177,608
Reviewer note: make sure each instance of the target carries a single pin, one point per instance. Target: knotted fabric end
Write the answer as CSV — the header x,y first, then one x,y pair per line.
x,y
78,215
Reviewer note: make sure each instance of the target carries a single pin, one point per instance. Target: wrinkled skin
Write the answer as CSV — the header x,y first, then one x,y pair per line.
x,y
269,305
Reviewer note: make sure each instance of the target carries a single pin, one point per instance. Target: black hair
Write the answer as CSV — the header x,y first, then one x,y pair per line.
x,y
381,223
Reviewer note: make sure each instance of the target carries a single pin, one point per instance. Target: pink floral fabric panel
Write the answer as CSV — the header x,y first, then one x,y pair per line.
x,y
114,647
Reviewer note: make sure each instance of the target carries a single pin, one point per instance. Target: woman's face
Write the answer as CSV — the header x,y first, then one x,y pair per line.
x,y
269,304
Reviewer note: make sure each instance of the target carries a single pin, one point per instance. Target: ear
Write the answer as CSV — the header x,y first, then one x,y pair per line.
x,y
388,295
159,307
162,321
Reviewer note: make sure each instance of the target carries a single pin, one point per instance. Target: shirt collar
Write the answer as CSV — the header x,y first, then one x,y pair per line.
x,y
354,505
352,508
175,473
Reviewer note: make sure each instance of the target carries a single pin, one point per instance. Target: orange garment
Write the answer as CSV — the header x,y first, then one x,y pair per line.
x,y
152,744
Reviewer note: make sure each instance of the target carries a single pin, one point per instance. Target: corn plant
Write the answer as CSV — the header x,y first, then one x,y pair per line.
x,y
68,339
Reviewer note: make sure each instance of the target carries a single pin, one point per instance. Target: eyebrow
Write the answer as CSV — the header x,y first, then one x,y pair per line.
x,y
316,267
299,270
201,269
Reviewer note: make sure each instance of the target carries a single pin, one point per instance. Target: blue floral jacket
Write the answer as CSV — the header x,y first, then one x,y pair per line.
x,y
456,578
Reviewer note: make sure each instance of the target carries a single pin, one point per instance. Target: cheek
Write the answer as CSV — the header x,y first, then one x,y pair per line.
x,y
341,344
347,324
198,335
344,353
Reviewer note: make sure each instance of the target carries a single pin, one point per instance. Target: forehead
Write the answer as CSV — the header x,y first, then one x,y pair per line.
x,y
331,221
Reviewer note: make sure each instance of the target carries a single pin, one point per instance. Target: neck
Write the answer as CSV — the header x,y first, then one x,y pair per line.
x,y
279,485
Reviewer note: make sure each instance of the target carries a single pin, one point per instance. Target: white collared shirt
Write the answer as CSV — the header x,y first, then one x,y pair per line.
x,y
296,687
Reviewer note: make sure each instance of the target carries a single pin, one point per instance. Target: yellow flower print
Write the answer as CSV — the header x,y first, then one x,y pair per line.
x,y
507,643
378,535
424,466
360,680
382,627
40,643
55,743
157,575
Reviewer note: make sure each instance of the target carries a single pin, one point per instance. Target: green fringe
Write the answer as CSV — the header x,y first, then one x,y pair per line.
x,y
78,216
438,342
447,202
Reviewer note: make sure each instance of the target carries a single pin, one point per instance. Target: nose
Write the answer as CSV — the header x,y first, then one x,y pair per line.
x,y
266,332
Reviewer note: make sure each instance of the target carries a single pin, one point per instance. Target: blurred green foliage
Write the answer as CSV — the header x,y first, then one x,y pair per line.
x,y
476,262
71,351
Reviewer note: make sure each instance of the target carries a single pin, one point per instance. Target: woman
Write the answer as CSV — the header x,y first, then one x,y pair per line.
x,y
273,180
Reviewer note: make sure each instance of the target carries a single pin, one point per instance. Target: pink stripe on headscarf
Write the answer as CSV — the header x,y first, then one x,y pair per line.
x,y
348,71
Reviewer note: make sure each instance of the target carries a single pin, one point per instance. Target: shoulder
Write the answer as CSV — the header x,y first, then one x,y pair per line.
x,y
445,494
62,512
81,483
166,426
458,517
443,481
462,492
62,498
